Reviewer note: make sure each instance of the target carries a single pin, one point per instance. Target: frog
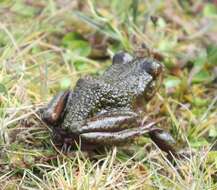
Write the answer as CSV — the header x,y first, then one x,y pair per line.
x,y
108,110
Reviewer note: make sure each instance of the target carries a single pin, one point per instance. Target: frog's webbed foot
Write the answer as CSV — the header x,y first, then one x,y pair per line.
x,y
163,140
54,111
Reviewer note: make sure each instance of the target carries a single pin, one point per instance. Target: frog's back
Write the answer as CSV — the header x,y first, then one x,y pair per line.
x,y
84,97
91,96
115,89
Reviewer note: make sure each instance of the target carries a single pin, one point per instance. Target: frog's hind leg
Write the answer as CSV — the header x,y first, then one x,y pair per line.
x,y
55,109
162,139
111,121
115,138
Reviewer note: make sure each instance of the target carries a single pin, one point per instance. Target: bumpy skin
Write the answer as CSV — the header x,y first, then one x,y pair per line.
x,y
108,110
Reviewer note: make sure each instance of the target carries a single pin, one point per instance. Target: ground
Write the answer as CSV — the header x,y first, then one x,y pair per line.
x,y
47,45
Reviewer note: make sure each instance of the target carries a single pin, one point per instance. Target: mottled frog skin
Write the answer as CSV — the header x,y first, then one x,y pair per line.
x,y
108,110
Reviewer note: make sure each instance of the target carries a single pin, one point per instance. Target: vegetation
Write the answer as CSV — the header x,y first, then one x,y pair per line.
x,y
46,45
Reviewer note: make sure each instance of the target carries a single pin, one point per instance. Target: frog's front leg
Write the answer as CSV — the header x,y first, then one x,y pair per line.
x,y
54,111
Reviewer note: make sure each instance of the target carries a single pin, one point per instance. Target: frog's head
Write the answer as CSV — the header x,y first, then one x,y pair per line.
x,y
136,76
139,76
147,79
127,63
152,70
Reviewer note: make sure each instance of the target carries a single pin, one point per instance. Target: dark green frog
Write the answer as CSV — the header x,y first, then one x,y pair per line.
x,y
108,110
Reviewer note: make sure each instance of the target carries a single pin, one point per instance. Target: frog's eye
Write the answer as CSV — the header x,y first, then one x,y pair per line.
x,y
122,58
152,67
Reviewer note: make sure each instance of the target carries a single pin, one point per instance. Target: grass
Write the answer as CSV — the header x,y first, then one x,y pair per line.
x,y
46,46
